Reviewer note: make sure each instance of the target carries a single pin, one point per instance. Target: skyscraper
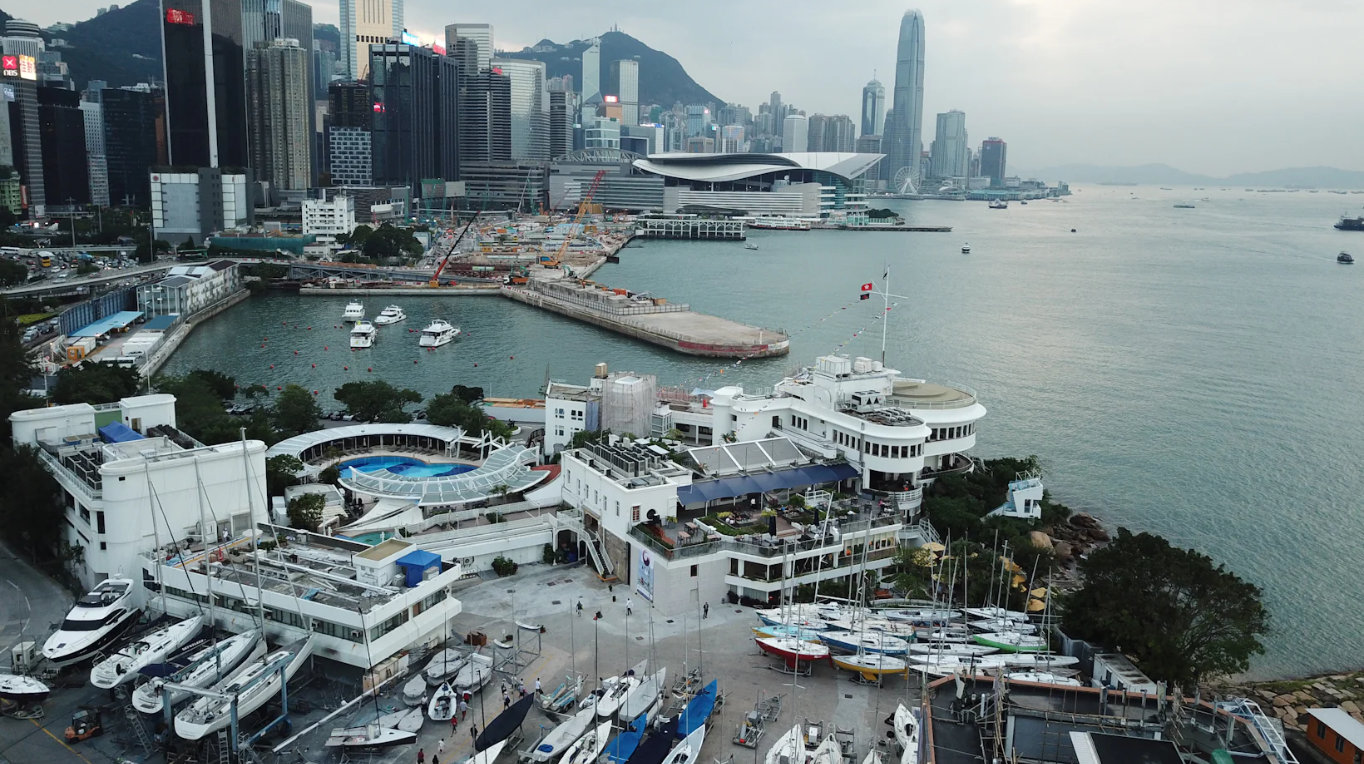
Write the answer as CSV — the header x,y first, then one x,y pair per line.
x,y
592,71
904,137
561,117
950,154
349,114
134,140
365,23
414,133
993,155
629,91
795,133
471,45
529,109
280,132
873,107
61,127
93,112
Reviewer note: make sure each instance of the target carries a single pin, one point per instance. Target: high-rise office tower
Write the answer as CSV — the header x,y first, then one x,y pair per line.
x,y
795,133
697,121
529,109
204,66
349,115
485,118
815,126
950,154
471,45
629,91
365,23
777,110
904,142
96,162
839,134
732,139
414,125
279,113
993,156
592,72
873,107
21,41
562,112
134,140
61,129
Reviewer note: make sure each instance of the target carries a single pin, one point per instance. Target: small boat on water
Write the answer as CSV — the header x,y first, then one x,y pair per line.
x,y
438,332
966,249
750,246
354,312
94,622
998,204
620,750
253,685
362,335
390,315
369,736
1345,258
443,703
566,734
793,651
123,666
589,746
1184,206
1012,641
443,665
22,689
205,667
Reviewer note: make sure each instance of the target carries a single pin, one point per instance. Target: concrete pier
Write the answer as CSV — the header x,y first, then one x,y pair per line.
x,y
673,326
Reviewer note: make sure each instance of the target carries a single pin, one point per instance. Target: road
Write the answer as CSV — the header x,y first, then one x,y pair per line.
x,y
51,284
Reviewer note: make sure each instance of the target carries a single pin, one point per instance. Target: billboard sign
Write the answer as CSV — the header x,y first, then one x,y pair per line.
x,y
410,39
437,48
175,16
645,581
9,65
28,68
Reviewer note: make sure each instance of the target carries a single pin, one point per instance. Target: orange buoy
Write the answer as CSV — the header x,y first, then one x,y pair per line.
x,y
314,392
272,366
324,347
414,362
346,368
277,387
295,352
314,366
370,369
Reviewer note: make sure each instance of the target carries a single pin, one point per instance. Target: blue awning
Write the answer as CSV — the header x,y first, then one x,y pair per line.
x,y
416,562
119,320
118,432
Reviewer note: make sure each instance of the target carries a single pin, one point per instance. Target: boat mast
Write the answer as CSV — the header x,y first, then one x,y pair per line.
x,y
156,536
208,558
255,558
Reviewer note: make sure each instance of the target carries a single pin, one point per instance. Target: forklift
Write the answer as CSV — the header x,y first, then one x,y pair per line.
x,y
85,724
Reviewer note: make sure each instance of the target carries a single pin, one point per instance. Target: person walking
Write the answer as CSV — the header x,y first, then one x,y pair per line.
x,y
421,756
454,724
580,608
538,691
705,610
435,759
440,748
473,732
629,606
464,706
506,700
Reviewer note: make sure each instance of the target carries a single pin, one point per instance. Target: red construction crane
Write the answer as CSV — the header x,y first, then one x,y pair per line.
x,y
435,279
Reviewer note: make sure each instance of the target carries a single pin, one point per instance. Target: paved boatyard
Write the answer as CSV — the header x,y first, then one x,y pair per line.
x,y
722,647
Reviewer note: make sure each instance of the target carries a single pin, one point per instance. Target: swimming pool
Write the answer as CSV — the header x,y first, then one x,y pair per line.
x,y
404,465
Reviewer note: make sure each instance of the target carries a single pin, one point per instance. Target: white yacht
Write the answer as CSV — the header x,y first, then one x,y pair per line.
x,y
253,685
97,619
205,667
122,666
362,335
390,315
437,333
354,312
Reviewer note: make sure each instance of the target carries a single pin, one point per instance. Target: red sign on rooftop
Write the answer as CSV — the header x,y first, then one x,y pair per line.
x,y
174,16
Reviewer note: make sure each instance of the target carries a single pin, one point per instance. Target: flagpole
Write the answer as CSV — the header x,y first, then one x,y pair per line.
x,y
885,308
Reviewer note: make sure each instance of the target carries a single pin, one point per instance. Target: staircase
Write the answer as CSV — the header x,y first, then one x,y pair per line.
x,y
930,533
224,754
572,520
134,718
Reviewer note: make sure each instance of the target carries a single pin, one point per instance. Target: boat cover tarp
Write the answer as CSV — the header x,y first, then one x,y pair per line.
x,y
698,710
761,482
159,669
504,725
623,746
118,432
655,747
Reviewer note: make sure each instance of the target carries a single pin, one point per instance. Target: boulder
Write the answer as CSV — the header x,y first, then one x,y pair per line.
x,y
1098,534
1349,707
1039,540
1063,550
1283,701
1083,520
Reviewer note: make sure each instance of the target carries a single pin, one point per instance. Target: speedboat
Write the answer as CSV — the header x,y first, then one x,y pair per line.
x,y
966,249
789,749
362,336
473,674
1012,641
438,332
871,666
369,736
94,623
445,664
1345,258
561,737
999,204
589,746
443,704
643,697
253,686
155,647
22,689
354,312
390,315
750,246
205,667
793,651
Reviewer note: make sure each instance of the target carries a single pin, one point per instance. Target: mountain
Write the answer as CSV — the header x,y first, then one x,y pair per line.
x,y
1165,175
121,47
662,80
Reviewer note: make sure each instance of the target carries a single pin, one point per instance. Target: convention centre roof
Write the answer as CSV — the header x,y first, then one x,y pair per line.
x,y
718,168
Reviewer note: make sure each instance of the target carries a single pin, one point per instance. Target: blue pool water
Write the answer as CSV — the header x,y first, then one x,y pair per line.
x,y
404,465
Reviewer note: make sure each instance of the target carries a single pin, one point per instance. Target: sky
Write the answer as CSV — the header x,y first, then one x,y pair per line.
x,y
1208,86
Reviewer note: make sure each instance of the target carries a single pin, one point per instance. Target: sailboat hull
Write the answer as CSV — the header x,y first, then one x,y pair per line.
x,y
793,651
872,667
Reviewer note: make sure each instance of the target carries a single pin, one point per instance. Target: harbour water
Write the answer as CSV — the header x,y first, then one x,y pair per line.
x,y
1191,372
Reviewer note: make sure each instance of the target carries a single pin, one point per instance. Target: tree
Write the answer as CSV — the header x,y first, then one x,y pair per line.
x,y
295,411
32,512
456,409
85,266
1173,610
199,410
223,386
305,511
95,383
16,371
329,475
281,472
376,401
389,242
12,273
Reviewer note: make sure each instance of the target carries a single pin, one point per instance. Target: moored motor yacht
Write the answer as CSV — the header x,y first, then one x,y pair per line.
x,y
438,332
362,336
1345,258
354,312
96,620
390,315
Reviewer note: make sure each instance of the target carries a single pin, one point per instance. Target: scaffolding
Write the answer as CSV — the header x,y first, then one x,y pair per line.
x,y
628,402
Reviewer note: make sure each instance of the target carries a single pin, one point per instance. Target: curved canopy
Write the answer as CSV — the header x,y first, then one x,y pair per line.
x,y
506,466
719,168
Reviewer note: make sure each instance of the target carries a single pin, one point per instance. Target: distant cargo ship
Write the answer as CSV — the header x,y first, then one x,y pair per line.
x,y
1351,224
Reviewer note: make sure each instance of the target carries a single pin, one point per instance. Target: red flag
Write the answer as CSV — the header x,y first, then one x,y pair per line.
x,y
867,287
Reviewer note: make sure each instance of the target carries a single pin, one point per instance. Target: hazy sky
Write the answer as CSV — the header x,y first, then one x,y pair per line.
x,y
1212,86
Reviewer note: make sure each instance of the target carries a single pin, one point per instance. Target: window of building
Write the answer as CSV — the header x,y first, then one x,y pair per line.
x,y
694,570
559,430
1340,744
634,514
99,525
558,413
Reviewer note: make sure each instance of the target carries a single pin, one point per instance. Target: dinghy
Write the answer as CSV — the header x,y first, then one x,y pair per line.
x,y
443,703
